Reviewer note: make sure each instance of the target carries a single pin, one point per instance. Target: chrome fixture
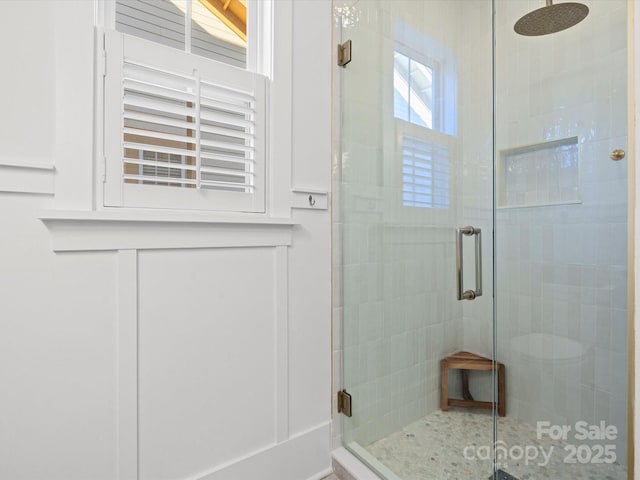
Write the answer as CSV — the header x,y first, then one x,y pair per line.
x,y
468,294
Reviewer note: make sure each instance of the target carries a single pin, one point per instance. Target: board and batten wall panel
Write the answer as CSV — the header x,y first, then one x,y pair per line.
x,y
28,97
206,358
312,95
310,332
310,255
57,353
28,101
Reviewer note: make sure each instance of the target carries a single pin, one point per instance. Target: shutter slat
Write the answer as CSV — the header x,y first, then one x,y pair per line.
x,y
224,171
233,108
159,135
140,86
135,100
159,164
233,102
227,146
226,158
227,132
214,91
159,149
212,183
137,70
223,118
150,178
157,120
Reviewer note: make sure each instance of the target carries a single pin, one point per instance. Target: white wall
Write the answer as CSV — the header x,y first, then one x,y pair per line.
x,y
166,349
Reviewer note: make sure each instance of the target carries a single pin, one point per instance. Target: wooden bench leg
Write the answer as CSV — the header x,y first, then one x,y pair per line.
x,y
444,399
466,394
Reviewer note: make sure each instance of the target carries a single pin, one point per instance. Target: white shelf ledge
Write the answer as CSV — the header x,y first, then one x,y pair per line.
x,y
76,230
173,216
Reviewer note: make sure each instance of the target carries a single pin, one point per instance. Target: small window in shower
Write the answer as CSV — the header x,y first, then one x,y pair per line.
x,y
413,84
425,173
425,117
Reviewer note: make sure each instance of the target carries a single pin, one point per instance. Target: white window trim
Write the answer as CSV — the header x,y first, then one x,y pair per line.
x,y
437,81
402,128
272,22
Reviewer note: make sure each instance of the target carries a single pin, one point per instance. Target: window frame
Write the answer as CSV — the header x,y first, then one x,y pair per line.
x,y
435,134
436,83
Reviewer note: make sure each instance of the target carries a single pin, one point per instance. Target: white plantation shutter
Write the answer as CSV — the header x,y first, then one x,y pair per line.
x,y
425,172
181,131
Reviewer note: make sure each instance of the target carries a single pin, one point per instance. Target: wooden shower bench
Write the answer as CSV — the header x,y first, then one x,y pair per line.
x,y
465,361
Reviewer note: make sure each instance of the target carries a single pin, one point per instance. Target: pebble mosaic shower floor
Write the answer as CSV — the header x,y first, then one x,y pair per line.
x,y
432,448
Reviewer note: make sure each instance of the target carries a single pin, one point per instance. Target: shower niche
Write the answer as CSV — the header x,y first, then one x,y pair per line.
x,y
546,173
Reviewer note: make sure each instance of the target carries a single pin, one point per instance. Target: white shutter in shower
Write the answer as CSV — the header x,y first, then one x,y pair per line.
x,y
181,131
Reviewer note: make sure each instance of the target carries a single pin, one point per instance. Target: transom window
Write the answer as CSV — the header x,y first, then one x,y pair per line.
x,y
215,29
413,91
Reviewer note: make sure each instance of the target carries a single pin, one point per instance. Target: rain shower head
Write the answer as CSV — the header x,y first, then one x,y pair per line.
x,y
551,18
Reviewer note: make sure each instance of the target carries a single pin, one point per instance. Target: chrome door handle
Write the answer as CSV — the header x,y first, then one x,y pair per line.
x,y
468,231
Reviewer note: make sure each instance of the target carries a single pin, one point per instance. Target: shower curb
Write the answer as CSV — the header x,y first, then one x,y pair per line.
x,y
347,466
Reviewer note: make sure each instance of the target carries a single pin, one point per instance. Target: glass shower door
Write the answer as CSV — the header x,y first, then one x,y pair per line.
x,y
561,243
415,166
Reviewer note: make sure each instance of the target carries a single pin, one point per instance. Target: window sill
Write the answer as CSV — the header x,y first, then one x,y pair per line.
x,y
75,230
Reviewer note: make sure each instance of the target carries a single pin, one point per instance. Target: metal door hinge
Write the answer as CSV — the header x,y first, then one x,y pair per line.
x,y
344,403
344,53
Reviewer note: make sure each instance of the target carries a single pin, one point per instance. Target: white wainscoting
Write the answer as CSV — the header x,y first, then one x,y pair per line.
x,y
203,346
207,356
